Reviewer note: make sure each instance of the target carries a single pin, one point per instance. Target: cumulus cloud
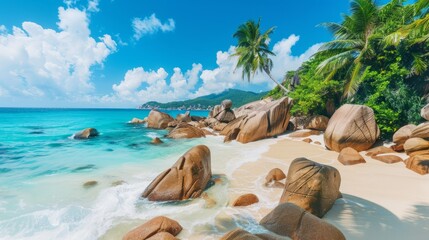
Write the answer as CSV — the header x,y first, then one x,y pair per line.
x,y
151,25
35,61
93,6
140,86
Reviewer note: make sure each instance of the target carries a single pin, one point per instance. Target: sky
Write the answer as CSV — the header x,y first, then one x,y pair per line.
x,y
122,53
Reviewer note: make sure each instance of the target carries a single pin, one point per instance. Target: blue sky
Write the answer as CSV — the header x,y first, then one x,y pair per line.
x,y
121,53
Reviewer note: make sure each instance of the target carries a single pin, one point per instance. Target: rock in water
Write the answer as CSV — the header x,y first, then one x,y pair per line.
x,y
156,140
351,126
312,186
163,236
260,120
152,227
318,122
86,133
349,156
184,130
186,117
239,234
187,178
138,121
245,200
421,131
419,164
275,174
403,134
287,219
425,112
158,120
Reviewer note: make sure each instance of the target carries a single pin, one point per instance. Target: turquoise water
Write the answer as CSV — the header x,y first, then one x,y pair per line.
x,y
42,169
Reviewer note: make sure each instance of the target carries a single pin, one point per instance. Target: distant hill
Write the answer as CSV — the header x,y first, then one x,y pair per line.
x,y
238,98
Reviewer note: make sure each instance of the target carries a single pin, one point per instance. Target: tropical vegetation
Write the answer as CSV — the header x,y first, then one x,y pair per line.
x,y
378,57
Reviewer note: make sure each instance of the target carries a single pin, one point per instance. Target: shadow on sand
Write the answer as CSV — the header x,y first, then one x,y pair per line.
x,y
358,218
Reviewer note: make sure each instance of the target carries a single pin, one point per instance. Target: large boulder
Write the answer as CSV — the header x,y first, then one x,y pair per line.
x,y
223,113
184,117
262,119
287,219
349,156
421,131
425,112
158,120
351,126
153,227
415,144
163,236
184,130
312,186
403,134
86,133
187,178
318,122
239,234
418,163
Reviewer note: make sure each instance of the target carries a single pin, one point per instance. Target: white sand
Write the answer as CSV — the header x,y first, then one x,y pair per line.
x,y
380,201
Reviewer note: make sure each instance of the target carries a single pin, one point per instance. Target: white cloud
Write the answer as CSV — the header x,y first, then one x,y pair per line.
x,y
37,62
93,6
141,86
3,29
151,25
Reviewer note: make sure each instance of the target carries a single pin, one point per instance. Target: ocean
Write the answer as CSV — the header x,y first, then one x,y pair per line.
x,y
43,172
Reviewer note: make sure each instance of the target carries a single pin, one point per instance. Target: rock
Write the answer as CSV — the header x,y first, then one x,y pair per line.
x,y
419,164
152,227
425,112
274,175
307,140
262,119
173,124
207,132
232,135
197,124
156,140
219,126
245,200
379,150
184,130
187,178
397,147
239,234
421,131
312,186
117,183
388,158
349,156
86,133
226,104
138,121
351,126
90,184
317,123
298,122
209,201
304,133
225,116
158,120
163,236
317,143
420,152
184,117
403,133
197,118
415,144
290,220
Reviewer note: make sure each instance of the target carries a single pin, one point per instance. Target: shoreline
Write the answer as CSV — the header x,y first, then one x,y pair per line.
x,y
380,201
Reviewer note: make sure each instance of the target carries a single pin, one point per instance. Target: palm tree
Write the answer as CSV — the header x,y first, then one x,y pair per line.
x,y
351,44
253,52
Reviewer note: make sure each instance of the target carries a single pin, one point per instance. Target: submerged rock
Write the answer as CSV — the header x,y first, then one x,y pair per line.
x,y
86,133
187,178
312,186
245,200
156,140
351,126
287,219
153,227
158,120
90,184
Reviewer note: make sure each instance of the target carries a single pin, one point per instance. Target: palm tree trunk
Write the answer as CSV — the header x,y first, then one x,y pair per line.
x,y
278,84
